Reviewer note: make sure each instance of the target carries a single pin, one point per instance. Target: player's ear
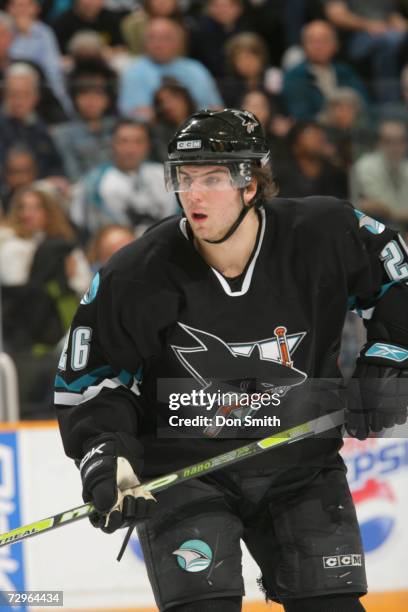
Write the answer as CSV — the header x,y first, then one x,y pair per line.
x,y
250,190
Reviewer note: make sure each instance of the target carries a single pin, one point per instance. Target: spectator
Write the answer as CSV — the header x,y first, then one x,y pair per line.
x,y
122,7
164,48
42,272
346,125
377,32
6,38
134,25
247,61
106,241
85,141
221,20
311,170
382,176
88,15
51,9
172,105
19,123
34,41
309,84
48,108
20,170
275,125
130,191
87,44
267,18
295,15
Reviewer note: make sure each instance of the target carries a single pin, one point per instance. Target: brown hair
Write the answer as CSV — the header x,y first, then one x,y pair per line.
x,y
267,185
57,224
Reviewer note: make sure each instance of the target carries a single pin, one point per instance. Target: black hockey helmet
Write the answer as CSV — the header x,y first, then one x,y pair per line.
x,y
232,138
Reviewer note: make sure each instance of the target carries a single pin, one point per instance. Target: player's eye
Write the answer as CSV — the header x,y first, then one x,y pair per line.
x,y
185,182
212,181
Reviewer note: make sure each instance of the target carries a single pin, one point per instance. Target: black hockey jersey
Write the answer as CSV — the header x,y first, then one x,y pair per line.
x,y
158,322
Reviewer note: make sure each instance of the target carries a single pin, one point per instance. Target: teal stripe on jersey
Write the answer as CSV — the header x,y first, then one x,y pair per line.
x,y
85,381
352,300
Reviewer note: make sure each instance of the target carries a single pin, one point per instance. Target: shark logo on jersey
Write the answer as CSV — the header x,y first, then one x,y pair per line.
x,y
371,225
267,363
194,556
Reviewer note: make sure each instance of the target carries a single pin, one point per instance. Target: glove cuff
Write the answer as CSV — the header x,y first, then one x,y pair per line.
x,y
384,354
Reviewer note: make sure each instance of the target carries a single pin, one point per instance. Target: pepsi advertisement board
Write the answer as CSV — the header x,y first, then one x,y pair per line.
x,y
378,479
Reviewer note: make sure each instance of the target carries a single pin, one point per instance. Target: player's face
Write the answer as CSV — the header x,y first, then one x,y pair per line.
x,y
210,202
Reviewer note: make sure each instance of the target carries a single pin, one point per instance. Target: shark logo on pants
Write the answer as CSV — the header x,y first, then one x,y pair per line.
x,y
194,556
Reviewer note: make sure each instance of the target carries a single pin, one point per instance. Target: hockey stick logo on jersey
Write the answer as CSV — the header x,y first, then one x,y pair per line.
x,y
262,366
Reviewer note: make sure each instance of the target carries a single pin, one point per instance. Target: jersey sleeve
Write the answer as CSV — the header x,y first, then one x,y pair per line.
x,y
99,383
378,278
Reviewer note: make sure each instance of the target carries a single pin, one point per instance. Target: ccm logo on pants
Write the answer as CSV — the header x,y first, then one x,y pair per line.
x,y
341,561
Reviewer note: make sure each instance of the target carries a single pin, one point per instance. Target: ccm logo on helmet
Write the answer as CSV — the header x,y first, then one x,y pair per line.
x,y
189,144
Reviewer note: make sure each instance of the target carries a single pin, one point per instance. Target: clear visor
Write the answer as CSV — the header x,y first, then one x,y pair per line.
x,y
182,176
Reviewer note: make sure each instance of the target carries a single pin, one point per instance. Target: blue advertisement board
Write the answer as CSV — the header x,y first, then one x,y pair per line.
x,y
11,557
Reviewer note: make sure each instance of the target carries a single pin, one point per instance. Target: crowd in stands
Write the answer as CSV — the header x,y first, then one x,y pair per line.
x,y
92,90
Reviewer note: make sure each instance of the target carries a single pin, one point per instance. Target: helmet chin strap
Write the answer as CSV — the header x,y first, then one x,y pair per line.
x,y
244,211
237,222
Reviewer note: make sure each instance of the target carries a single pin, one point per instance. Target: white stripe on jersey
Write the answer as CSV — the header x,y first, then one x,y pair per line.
x,y
65,398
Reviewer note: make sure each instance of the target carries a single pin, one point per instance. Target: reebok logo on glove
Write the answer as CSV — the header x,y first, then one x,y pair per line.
x,y
96,450
91,467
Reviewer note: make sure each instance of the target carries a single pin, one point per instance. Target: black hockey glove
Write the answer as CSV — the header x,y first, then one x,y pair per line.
x,y
110,483
378,391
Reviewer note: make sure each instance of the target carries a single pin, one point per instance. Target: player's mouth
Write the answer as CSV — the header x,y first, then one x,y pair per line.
x,y
198,217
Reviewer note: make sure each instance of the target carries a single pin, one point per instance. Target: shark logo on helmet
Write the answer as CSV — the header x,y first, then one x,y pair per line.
x,y
248,120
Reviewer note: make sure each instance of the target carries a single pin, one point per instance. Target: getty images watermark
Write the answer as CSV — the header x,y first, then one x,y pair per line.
x,y
230,409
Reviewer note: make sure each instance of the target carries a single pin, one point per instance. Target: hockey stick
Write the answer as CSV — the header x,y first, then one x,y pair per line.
x,y
299,432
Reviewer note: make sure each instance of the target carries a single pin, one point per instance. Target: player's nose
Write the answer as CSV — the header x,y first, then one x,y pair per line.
x,y
195,195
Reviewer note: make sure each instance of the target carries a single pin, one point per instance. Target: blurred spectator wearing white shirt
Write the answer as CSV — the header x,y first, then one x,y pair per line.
x,y
381,177
129,191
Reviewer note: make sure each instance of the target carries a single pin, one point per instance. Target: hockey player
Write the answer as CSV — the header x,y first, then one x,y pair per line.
x,y
250,292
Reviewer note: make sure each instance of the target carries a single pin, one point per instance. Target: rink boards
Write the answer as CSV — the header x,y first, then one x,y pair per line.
x,y
37,480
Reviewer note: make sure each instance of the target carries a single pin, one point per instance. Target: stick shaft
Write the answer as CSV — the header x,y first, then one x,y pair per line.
x,y
299,432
